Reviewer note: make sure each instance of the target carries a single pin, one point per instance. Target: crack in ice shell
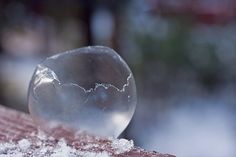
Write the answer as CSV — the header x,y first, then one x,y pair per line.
x,y
106,86
46,75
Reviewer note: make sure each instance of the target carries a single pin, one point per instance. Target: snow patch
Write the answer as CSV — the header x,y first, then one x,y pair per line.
x,y
122,145
26,147
24,144
41,145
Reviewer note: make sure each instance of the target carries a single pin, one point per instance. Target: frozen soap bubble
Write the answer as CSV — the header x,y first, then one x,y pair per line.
x,y
88,89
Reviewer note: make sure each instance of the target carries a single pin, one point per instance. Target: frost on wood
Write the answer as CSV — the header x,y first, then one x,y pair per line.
x,y
47,146
30,148
24,144
19,137
122,145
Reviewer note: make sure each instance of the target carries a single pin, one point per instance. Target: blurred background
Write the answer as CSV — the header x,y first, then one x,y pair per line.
x,y
182,54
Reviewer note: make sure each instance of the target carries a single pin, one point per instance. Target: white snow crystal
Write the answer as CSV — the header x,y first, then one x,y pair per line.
x,y
92,154
24,144
63,150
41,135
6,146
122,145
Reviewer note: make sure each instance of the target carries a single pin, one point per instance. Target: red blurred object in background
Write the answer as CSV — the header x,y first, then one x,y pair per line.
x,y
206,11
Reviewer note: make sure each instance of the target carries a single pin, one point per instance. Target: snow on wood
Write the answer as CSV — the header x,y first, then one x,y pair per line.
x,y
20,137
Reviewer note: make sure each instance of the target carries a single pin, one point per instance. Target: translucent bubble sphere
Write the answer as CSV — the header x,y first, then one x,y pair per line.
x,y
89,89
